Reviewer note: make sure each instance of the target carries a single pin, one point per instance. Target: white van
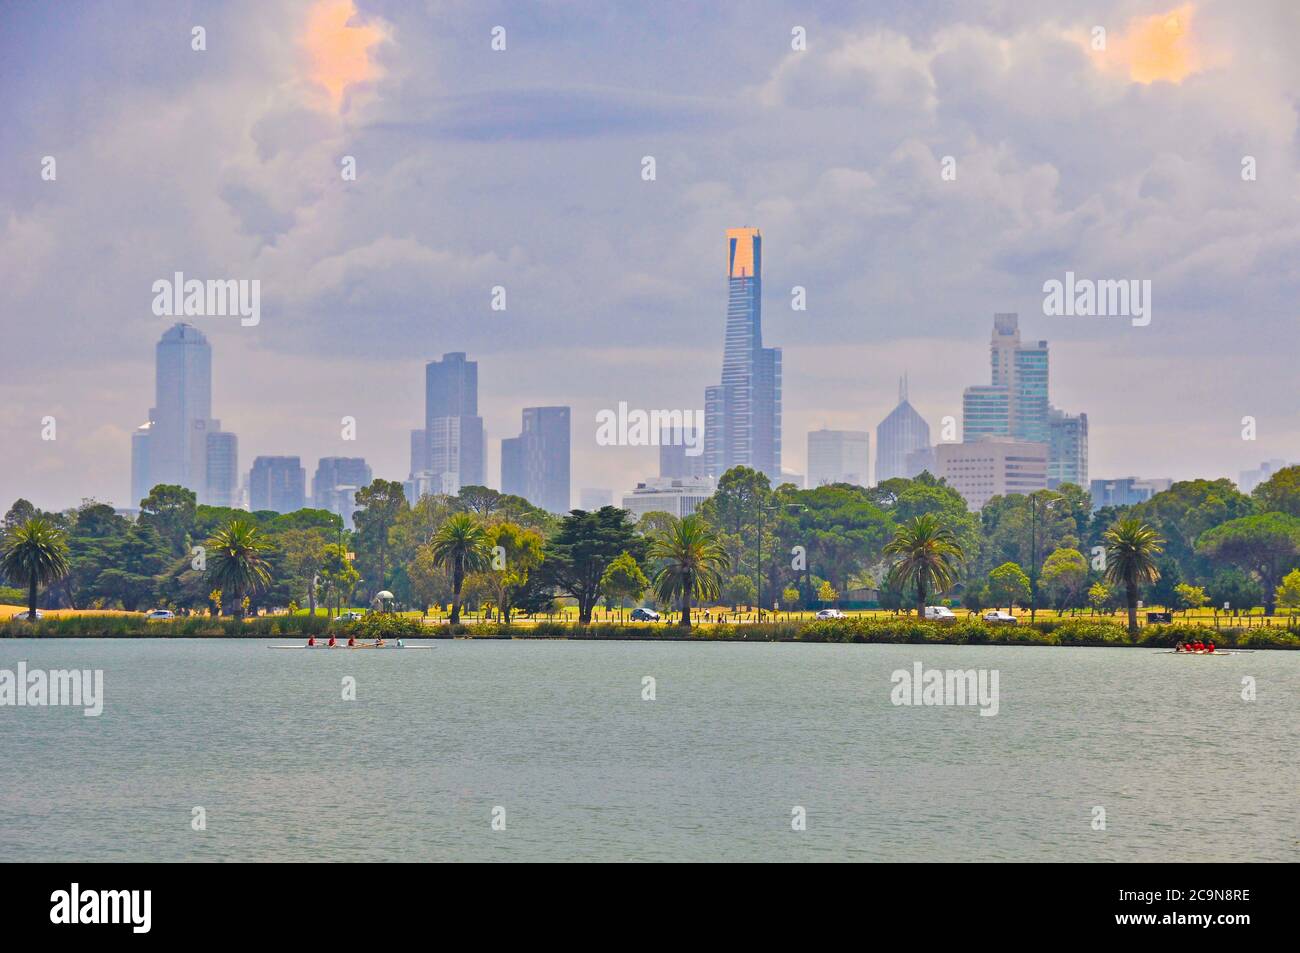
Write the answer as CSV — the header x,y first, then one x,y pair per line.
x,y
939,614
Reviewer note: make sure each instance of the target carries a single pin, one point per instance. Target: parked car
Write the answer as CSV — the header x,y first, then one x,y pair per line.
x,y
642,614
998,617
350,616
830,614
939,614
160,614
23,615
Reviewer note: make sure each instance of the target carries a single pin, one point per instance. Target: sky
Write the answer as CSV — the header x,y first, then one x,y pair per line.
x,y
523,167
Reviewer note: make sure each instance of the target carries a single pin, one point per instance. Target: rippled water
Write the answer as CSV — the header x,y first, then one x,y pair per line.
x,y
558,735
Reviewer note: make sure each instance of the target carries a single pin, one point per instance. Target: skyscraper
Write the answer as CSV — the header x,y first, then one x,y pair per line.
x,y
838,456
535,465
172,446
451,451
743,413
900,434
334,472
277,483
222,469
1067,454
674,460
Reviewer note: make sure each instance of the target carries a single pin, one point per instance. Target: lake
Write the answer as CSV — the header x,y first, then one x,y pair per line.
x,y
741,742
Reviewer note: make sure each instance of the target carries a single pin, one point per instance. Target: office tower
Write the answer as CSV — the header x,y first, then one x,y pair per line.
x,y
591,498
1067,455
222,468
663,495
993,466
172,445
1249,479
141,483
838,456
333,473
1126,491
921,461
535,465
743,412
1014,403
678,458
899,434
277,483
452,448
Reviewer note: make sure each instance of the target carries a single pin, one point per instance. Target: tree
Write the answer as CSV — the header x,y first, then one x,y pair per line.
x,y
1099,596
521,552
304,551
429,582
1267,545
1189,597
575,558
34,552
1288,593
1064,575
237,562
381,505
337,573
462,544
1280,493
1131,550
1008,586
826,592
170,509
926,555
693,562
623,580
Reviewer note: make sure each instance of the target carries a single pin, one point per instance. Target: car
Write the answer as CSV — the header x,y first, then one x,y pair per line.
x,y
830,614
350,616
939,614
998,617
23,615
160,614
642,614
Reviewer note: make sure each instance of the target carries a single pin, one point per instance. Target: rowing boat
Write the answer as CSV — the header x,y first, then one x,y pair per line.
x,y
390,645
1213,654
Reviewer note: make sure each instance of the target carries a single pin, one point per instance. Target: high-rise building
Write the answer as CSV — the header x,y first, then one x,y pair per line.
x,y
1067,454
335,483
451,450
172,446
901,433
838,456
743,413
278,484
1126,491
1249,479
535,465
222,469
591,498
675,462
993,466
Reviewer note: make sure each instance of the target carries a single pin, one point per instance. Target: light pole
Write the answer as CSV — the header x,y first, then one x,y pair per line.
x,y
1033,552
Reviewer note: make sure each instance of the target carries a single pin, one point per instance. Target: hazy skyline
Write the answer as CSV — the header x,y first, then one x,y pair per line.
x,y
523,168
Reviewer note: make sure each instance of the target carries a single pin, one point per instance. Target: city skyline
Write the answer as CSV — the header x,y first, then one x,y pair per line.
x,y
364,280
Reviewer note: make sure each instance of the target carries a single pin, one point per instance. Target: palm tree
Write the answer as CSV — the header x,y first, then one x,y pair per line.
x,y
462,543
34,552
693,562
1131,550
237,562
928,554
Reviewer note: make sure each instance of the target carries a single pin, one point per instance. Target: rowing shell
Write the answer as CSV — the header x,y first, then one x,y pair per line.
x,y
1211,654
352,646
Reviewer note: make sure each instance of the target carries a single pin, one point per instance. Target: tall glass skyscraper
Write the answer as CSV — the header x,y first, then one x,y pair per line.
x,y
173,445
535,465
742,414
451,450
902,439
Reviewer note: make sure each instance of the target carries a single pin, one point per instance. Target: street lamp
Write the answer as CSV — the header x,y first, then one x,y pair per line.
x,y
762,526
1033,550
